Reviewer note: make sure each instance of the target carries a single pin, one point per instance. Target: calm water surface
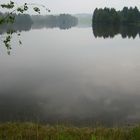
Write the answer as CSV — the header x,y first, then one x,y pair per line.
x,y
71,76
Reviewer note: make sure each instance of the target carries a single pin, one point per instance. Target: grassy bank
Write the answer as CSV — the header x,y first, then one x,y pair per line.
x,y
31,131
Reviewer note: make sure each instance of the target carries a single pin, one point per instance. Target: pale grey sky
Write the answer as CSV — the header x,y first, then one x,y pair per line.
x,y
80,6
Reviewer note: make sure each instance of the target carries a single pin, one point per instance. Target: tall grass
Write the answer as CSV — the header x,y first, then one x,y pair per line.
x,y
31,131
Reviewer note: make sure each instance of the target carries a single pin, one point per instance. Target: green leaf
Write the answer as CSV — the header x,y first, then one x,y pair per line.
x,y
20,10
20,43
36,9
10,5
93,137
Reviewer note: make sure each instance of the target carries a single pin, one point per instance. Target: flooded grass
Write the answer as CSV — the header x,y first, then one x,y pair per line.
x,y
31,131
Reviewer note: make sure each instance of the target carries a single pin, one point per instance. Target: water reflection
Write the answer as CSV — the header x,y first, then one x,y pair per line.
x,y
29,26
83,110
110,31
22,23
26,23
63,21
69,76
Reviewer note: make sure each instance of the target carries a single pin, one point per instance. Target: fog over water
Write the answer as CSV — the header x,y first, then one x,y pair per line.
x,y
71,76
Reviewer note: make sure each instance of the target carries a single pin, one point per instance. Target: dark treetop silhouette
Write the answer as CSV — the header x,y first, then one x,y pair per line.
x,y
108,22
111,16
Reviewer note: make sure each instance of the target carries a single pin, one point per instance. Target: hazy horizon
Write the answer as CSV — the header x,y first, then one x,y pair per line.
x,y
77,6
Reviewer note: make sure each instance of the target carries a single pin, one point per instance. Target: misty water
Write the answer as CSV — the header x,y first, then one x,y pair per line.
x,y
71,76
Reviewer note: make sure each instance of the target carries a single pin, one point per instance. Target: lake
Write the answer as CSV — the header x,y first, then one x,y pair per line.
x,y
71,76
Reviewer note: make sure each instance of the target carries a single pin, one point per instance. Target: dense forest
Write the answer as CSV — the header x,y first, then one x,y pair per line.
x,y
111,16
108,22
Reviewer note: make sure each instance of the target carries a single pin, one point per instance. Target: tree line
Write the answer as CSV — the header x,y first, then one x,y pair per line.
x,y
15,23
62,21
112,16
22,22
26,22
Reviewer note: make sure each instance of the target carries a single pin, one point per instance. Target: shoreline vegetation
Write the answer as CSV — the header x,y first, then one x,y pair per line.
x,y
34,131
126,31
25,22
113,17
108,22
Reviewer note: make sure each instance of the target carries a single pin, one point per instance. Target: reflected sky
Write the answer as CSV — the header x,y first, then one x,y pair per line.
x,y
68,75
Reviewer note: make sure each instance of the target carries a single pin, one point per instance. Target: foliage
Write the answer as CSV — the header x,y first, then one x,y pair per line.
x,y
111,16
108,22
9,18
31,131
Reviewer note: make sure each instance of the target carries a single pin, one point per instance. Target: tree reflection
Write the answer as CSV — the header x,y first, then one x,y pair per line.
x,y
25,22
62,21
110,30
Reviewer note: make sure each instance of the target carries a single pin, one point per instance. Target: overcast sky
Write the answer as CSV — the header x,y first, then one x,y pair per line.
x,y
80,6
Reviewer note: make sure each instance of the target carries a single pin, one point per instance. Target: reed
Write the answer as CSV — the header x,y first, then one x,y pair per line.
x,y
32,131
